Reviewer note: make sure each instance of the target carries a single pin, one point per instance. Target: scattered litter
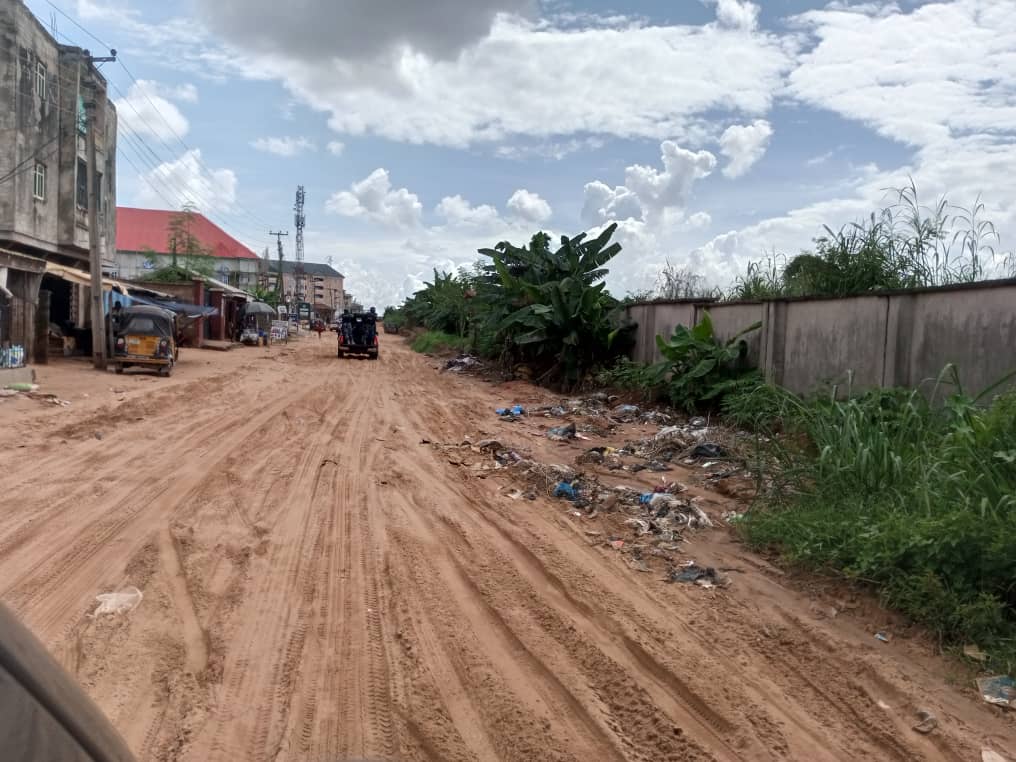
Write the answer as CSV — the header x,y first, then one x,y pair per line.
x,y
669,433
562,433
8,393
732,517
638,565
883,705
459,364
564,489
516,494
23,387
987,755
975,653
927,722
577,514
515,411
625,412
693,574
617,544
658,466
594,533
697,422
117,603
98,435
708,450
999,690
882,636
642,524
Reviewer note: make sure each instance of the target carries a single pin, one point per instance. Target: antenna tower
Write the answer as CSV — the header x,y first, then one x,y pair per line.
x,y
300,221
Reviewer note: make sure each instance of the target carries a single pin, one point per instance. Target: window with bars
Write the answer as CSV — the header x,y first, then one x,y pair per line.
x,y
81,185
40,79
39,182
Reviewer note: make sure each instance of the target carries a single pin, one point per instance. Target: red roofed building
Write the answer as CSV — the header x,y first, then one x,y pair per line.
x,y
142,246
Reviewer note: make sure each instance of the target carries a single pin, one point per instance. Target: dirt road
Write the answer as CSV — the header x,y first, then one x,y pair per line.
x,y
319,585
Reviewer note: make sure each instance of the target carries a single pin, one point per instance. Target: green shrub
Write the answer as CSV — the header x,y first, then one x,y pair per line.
x,y
915,495
436,342
699,370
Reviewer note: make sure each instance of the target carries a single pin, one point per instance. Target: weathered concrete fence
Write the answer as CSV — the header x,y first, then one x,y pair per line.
x,y
898,338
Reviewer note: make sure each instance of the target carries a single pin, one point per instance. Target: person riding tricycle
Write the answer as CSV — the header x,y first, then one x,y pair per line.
x,y
146,336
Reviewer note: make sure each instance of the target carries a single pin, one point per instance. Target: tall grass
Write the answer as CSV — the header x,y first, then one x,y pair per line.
x,y
436,342
912,491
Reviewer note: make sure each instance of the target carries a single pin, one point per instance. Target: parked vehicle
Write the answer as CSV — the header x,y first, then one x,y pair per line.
x,y
147,337
358,334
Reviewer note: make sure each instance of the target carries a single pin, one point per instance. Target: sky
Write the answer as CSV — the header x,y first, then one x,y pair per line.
x,y
714,132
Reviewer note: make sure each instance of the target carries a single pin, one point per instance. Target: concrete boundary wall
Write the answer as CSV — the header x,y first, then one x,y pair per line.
x,y
873,340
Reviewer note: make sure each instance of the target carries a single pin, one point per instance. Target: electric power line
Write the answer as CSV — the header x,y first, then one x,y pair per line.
x,y
210,181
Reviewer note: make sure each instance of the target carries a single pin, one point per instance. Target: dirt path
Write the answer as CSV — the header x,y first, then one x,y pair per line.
x,y
318,585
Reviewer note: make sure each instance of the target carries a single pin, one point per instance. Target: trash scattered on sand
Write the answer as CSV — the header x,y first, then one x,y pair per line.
x,y
515,411
117,603
987,755
975,653
884,637
562,433
926,722
565,490
703,576
999,690
461,363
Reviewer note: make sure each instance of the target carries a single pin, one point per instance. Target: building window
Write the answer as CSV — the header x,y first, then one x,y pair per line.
x,y
39,183
40,79
81,185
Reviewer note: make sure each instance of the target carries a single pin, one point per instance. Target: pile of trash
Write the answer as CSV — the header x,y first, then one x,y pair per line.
x,y
463,363
31,391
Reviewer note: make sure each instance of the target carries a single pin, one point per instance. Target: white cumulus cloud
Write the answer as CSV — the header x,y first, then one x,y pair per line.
x,y
744,145
529,206
287,147
374,199
336,147
147,111
458,211
185,180
738,14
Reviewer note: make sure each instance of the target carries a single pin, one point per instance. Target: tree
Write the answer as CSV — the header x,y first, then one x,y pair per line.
x,y
181,239
551,307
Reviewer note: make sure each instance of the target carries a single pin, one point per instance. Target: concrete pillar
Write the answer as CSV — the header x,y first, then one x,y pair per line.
x,y
199,325
218,322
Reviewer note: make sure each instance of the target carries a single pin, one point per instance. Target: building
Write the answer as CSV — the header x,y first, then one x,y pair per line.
x,y
143,244
51,95
324,285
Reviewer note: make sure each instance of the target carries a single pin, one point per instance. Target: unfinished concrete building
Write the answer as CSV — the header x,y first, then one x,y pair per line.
x,y
44,122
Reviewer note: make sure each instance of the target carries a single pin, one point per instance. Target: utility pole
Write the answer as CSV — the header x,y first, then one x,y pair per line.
x,y
99,345
278,280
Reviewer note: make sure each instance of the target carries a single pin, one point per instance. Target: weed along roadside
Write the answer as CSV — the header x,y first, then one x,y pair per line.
x,y
906,493
915,496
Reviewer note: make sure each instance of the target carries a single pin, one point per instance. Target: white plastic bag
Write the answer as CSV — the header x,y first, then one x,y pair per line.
x,y
117,603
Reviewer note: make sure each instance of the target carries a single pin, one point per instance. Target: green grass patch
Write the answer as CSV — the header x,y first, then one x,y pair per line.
x,y
437,342
915,496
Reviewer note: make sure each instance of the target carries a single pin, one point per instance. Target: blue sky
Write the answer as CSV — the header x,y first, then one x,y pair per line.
x,y
713,131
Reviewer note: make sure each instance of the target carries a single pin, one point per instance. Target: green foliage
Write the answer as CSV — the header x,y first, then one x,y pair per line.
x,y
905,245
630,376
908,491
442,305
266,295
436,342
549,308
700,368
